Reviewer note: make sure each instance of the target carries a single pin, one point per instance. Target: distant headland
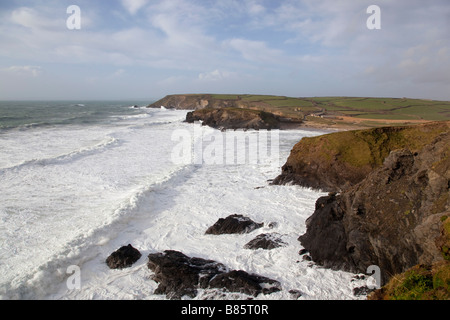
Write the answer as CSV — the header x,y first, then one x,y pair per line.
x,y
316,112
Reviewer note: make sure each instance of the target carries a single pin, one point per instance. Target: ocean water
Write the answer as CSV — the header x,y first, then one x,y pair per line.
x,y
80,179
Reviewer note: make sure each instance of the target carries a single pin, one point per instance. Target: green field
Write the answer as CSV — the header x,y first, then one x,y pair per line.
x,y
357,107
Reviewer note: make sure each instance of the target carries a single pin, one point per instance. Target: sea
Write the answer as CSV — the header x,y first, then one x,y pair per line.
x,y
80,179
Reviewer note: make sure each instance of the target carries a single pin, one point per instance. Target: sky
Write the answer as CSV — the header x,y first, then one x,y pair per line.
x,y
146,49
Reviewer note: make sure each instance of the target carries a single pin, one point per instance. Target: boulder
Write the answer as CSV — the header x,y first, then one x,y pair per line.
x,y
179,275
265,241
243,282
295,294
124,257
362,291
233,224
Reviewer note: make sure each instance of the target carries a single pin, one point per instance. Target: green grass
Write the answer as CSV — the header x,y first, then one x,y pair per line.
x,y
389,116
225,96
426,112
249,97
421,282
375,109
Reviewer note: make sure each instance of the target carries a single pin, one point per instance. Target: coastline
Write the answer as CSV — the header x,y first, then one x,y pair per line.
x,y
176,215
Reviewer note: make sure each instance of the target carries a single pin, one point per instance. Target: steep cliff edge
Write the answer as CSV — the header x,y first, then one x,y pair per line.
x,y
336,161
191,102
392,215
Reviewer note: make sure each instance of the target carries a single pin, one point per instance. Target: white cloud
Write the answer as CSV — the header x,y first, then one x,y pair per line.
x,y
255,8
133,6
215,75
34,19
255,51
32,71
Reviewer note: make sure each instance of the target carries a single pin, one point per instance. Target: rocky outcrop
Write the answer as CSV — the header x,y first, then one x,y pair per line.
x,y
336,161
265,241
179,275
230,112
123,257
392,217
234,118
235,223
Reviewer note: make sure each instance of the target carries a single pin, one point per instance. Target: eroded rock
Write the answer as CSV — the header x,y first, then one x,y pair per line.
x,y
235,223
179,275
124,257
265,241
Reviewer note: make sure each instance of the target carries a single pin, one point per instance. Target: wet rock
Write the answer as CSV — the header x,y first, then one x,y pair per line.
x,y
273,225
179,275
243,282
362,291
233,224
302,252
295,294
265,241
123,257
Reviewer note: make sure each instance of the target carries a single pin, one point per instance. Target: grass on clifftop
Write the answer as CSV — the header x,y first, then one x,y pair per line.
x,y
359,108
421,282
369,147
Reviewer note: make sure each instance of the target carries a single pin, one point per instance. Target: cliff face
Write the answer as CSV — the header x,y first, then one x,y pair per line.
x,y
391,216
336,161
234,118
192,102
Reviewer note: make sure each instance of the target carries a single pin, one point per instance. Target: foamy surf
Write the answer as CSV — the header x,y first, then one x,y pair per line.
x,y
72,195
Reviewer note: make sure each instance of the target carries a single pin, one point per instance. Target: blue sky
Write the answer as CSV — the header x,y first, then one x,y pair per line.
x,y
145,49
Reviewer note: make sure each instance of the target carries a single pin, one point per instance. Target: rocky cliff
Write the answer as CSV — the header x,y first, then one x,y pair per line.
x,y
235,118
389,211
229,112
191,102
336,161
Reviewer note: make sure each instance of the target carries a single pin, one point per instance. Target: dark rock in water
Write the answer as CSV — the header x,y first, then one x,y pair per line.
x,y
302,251
123,257
265,241
243,282
235,223
179,275
295,294
307,258
273,225
362,291
359,277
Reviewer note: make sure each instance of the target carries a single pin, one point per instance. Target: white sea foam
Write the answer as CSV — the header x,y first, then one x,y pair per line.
x,y
73,195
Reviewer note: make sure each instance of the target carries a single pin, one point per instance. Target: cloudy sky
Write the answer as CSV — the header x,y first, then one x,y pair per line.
x,y
145,49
